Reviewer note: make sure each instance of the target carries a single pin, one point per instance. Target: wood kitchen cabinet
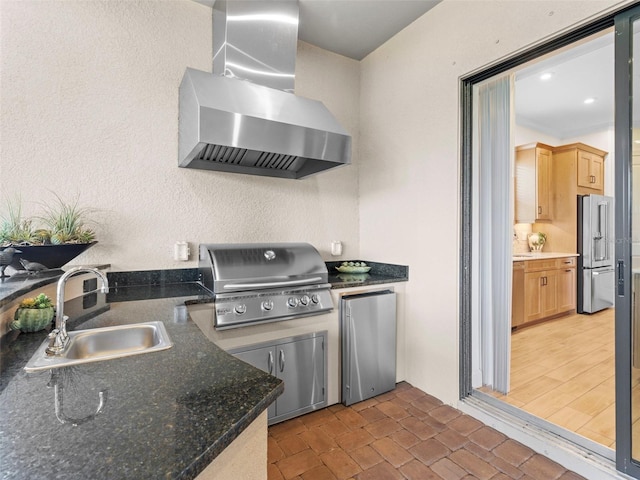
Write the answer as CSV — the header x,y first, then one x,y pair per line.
x,y
548,289
566,288
541,296
590,171
533,175
517,295
578,169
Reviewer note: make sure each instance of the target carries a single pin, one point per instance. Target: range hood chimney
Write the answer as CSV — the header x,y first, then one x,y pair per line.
x,y
243,117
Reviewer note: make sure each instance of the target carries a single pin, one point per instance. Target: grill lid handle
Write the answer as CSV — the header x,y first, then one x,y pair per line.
x,y
272,284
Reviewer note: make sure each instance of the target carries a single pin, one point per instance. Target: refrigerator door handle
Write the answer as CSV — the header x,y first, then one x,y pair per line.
x,y
601,251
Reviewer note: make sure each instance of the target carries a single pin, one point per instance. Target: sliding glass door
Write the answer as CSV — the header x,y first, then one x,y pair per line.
x,y
627,249
627,222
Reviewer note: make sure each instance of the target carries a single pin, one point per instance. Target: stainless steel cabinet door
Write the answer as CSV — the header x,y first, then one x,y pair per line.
x,y
369,346
300,364
264,359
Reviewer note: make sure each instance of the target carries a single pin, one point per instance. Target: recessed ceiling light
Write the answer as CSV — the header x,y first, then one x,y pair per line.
x,y
589,100
546,76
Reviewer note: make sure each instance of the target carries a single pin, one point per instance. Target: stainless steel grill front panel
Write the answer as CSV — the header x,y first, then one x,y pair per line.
x,y
258,283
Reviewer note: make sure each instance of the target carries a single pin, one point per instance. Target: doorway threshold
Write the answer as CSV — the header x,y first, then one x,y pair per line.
x,y
581,455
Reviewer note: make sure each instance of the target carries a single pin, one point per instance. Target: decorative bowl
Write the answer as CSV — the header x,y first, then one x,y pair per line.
x,y
343,269
32,319
51,256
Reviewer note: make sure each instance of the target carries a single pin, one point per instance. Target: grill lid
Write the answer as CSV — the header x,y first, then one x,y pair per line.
x,y
229,268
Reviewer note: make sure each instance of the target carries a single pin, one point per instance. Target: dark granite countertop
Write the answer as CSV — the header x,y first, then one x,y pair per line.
x,y
167,414
380,273
22,282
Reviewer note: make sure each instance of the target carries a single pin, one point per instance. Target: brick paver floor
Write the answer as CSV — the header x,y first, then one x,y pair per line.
x,y
403,434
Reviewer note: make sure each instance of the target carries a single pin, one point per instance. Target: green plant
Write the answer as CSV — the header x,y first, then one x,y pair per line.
x,y
66,223
62,222
33,314
13,228
39,302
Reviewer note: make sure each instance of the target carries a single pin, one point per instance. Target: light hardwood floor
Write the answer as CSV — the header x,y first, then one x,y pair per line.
x,y
563,371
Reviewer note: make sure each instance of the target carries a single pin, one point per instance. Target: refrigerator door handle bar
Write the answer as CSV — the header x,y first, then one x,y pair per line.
x,y
602,227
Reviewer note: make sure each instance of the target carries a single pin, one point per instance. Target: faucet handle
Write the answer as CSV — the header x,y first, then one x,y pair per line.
x,y
52,335
56,343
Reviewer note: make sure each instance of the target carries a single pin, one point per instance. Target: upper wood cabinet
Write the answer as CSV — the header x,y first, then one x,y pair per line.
x,y
584,164
590,170
533,180
547,182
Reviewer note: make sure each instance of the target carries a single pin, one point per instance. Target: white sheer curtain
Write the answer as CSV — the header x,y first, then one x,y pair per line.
x,y
495,230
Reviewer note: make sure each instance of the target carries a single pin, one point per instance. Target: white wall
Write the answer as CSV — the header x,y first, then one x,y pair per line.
x,y
90,108
410,164
526,135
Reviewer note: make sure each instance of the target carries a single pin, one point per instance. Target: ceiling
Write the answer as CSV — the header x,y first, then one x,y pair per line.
x,y
556,106
354,28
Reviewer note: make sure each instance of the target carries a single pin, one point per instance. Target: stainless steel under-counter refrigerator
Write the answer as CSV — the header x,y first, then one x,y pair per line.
x,y
368,324
596,276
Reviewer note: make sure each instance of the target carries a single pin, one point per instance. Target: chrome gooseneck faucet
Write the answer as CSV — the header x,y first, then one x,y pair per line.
x,y
58,337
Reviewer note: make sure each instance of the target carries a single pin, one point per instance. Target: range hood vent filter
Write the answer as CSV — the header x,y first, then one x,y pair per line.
x,y
242,156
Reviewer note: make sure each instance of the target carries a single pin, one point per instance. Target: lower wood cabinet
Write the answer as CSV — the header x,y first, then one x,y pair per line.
x,y
541,295
300,362
566,288
548,289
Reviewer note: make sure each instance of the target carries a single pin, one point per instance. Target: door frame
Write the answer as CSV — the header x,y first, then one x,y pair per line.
x,y
466,188
466,194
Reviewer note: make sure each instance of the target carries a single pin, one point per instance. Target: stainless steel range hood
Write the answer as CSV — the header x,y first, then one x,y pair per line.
x,y
242,118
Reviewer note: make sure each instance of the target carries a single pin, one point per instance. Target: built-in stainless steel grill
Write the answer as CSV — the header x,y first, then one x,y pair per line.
x,y
257,283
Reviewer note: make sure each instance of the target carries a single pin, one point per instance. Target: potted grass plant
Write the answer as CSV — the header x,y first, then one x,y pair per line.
x,y
47,241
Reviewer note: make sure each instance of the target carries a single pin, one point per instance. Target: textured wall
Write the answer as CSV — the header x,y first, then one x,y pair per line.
x,y
90,108
410,169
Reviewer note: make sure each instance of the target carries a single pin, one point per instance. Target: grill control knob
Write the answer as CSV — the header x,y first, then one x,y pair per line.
x,y
292,302
304,300
315,298
240,309
267,305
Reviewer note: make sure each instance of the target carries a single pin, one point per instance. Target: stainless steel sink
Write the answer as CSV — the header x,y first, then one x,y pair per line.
x,y
98,344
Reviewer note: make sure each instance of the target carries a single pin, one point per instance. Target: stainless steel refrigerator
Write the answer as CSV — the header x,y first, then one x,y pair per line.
x,y
368,323
596,276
